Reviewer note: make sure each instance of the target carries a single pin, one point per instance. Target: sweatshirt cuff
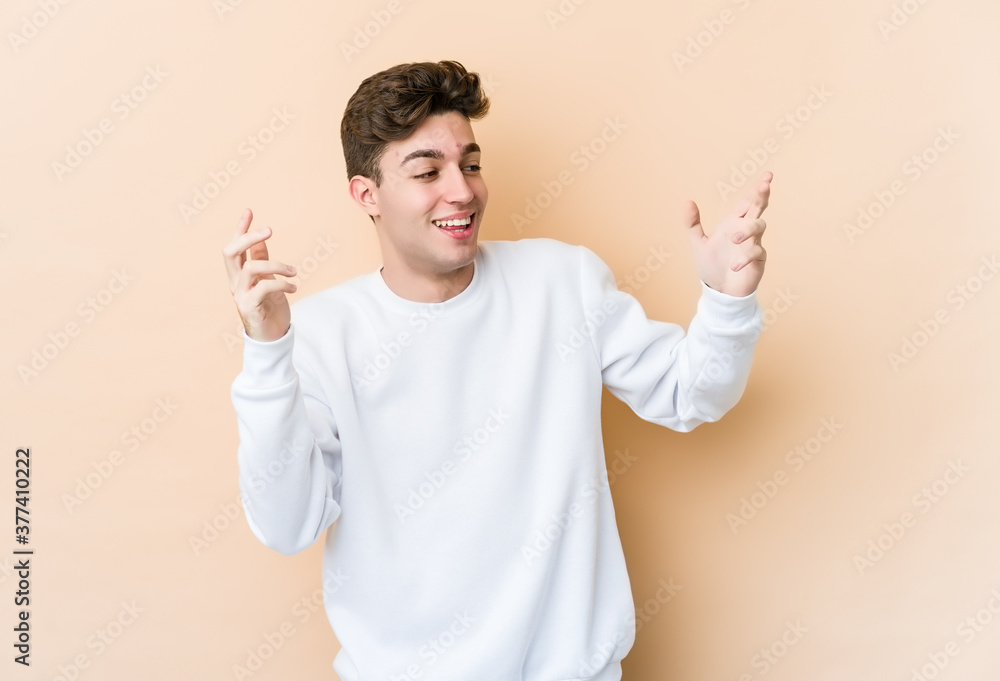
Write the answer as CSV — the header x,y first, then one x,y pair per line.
x,y
269,362
722,311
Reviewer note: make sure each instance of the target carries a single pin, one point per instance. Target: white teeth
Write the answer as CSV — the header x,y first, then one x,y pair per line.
x,y
453,223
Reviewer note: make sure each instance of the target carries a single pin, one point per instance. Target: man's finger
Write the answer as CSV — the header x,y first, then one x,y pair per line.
x,y
758,200
235,252
692,221
242,242
757,254
268,267
256,271
259,250
244,222
265,287
753,230
235,258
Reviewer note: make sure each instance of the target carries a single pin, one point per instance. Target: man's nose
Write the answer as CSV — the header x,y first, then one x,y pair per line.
x,y
458,188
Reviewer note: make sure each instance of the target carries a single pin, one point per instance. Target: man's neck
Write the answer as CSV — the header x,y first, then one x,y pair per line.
x,y
423,287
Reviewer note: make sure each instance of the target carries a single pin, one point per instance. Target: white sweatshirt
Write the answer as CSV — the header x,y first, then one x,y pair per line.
x,y
454,450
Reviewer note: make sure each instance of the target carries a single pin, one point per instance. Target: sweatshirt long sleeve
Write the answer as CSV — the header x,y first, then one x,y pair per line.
x,y
454,453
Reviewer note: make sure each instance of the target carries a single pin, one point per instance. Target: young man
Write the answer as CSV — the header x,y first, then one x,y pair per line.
x,y
441,414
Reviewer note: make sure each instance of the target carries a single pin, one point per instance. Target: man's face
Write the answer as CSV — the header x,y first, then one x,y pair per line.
x,y
430,176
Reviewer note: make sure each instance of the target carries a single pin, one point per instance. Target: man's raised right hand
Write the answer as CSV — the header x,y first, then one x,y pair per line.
x,y
259,296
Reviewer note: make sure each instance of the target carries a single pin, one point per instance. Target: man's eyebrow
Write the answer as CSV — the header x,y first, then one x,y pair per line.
x,y
436,153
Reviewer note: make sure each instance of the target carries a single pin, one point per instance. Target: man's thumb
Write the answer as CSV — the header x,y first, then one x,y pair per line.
x,y
692,220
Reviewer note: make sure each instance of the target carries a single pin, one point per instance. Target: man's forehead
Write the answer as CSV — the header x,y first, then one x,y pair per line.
x,y
448,140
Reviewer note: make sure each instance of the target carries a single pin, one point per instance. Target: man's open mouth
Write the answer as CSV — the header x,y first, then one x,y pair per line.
x,y
458,226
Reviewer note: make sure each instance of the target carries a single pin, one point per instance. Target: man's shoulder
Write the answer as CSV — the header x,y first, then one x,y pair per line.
x,y
533,252
339,301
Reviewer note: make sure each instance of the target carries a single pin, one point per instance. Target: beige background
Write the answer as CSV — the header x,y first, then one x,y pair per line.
x,y
840,299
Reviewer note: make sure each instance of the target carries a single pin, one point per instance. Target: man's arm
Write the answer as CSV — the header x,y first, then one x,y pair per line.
x,y
289,452
665,375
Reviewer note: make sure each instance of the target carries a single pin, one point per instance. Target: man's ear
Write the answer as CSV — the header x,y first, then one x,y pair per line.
x,y
364,192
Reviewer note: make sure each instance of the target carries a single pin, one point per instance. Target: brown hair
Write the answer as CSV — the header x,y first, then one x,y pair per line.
x,y
391,104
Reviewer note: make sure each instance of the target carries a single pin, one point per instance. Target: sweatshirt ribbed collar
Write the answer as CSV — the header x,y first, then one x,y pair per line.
x,y
390,299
